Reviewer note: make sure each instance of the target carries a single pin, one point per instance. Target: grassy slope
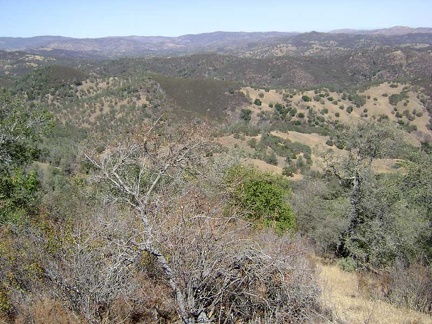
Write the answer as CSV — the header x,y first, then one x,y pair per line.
x,y
376,105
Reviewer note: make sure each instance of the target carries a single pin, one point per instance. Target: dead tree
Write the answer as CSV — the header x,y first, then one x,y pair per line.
x,y
218,267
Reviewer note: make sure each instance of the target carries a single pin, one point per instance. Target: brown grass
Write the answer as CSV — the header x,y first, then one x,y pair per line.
x,y
342,294
47,311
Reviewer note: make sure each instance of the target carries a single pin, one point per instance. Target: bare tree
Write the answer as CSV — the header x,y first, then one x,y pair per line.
x,y
218,267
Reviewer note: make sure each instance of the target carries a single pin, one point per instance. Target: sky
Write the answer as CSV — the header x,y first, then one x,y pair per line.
x,y
92,19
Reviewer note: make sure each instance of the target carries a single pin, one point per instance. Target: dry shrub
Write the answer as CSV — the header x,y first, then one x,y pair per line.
x,y
407,286
373,285
47,310
153,302
230,271
171,231
411,287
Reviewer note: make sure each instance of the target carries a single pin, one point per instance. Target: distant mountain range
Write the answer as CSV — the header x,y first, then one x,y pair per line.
x,y
397,30
255,44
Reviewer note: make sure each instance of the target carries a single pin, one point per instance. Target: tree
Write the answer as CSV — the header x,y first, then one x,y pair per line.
x,y
365,142
417,187
188,242
20,129
135,172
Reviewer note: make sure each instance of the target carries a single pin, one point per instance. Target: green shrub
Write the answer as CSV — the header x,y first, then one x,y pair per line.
x,y
252,143
271,159
306,98
289,170
261,197
246,114
357,100
347,264
394,99
324,111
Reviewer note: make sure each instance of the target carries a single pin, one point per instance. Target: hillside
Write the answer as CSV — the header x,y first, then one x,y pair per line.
x,y
217,178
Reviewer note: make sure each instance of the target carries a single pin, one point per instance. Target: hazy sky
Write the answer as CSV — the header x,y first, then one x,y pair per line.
x,y
79,18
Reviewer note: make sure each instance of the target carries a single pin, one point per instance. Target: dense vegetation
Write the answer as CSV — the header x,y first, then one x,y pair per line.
x,y
121,202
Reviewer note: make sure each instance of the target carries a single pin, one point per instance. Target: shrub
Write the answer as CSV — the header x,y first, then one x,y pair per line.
x,y
324,111
357,100
349,109
395,98
246,114
261,196
252,142
347,264
289,170
306,98
271,159
411,287
257,102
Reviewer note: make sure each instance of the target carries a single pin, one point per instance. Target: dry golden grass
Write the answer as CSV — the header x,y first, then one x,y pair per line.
x,y
341,293
263,166
312,140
